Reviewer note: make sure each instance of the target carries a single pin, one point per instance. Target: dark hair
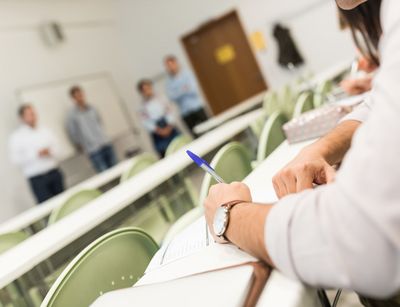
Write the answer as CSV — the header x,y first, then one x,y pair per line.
x,y
21,109
74,90
365,20
142,83
170,58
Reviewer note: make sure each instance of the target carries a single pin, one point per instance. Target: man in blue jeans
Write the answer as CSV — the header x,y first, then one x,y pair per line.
x,y
87,133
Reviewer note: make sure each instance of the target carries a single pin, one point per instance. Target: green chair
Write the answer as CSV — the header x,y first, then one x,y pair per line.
x,y
114,261
287,99
257,126
233,163
271,103
74,203
154,219
321,93
304,103
139,163
188,187
178,143
10,240
272,136
7,242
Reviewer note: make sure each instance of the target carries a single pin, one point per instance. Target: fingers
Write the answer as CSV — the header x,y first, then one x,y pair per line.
x,y
304,182
330,174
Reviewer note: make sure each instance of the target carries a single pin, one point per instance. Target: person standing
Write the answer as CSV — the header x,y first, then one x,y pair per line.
x,y
182,89
157,117
34,149
86,132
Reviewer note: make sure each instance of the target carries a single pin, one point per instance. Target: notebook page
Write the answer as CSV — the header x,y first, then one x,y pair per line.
x,y
191,240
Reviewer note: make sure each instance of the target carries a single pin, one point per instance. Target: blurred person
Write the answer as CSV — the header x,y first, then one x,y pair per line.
x,y
183,90
157,117
344,234
366,37
86,132
35,149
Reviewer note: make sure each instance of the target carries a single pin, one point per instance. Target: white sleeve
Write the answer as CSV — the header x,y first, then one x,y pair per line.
x,y
346,234
361,112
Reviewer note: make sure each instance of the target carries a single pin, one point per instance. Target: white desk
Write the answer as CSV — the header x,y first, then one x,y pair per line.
x,y
279,290
231,113
35,214
44,244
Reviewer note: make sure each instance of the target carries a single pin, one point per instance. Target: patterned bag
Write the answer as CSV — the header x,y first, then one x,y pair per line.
x,y
315,123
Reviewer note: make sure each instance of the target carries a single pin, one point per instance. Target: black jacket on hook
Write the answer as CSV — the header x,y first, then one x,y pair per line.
x,y
288,52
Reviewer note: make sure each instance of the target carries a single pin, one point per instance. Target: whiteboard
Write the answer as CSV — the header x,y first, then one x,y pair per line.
x,y
53,103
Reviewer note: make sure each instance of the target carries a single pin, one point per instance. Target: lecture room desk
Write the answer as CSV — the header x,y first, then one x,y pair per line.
x,y
49,241
279,290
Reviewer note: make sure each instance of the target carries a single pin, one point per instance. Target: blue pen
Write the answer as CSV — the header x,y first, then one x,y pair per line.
x,y
205,166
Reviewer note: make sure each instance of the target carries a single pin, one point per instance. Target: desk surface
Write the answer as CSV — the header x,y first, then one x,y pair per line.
x,y
233,112
44,244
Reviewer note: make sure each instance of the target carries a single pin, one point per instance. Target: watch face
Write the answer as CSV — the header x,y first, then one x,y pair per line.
x,y
220,221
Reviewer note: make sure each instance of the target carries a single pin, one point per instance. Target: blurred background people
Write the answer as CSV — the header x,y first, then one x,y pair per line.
x,y
183,90
157,117
34,149
85,130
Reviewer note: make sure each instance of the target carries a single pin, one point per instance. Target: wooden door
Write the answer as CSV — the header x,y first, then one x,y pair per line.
x,y
224,62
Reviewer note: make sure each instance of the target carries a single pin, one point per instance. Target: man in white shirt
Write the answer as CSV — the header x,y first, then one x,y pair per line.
x,y
344,234
34,149
157,117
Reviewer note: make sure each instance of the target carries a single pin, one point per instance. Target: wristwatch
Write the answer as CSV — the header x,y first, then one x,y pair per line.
x,y
221,220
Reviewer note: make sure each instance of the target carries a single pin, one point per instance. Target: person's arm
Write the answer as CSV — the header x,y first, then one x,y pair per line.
x,y
344,234
72,131
147,121
314,164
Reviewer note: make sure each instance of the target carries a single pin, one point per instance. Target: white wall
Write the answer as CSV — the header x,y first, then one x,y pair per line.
x,y
93,45
153,29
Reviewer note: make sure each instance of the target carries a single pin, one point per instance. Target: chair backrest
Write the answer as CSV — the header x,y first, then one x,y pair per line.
x,y
271,103
232,162
139,163
257,126
321,92
287,99
9,240
177,143
304,103
114,261
272,136
75,202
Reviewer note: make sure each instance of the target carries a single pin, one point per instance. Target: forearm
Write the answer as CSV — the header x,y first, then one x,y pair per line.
x,y
334,146
246,229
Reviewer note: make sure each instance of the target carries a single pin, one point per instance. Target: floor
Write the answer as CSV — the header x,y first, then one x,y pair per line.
x,y
347,299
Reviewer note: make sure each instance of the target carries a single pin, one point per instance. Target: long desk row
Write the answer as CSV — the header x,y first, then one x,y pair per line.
x,y
279,290
49,241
